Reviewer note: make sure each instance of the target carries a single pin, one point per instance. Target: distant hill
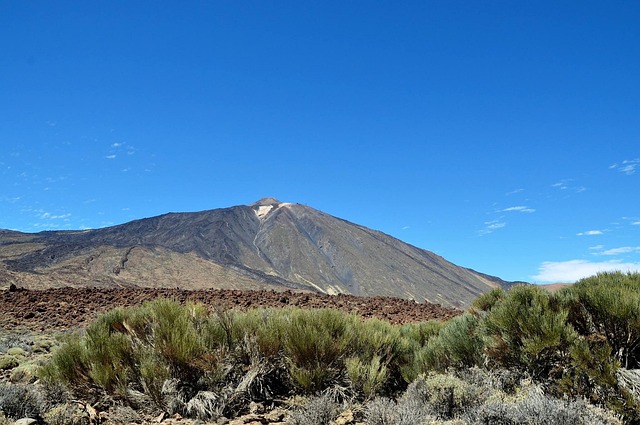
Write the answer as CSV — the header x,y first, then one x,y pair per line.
x,y
266,245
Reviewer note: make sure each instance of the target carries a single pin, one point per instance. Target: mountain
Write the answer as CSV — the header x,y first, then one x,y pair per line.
x,y
266,245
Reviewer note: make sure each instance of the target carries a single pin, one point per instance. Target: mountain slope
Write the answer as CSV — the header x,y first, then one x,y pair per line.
x,y
266,245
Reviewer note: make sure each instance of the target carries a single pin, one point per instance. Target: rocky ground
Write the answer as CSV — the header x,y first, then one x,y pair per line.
x,y
64,308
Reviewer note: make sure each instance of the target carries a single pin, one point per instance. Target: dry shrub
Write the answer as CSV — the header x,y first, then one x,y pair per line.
x,y
67,414
318,410
20,401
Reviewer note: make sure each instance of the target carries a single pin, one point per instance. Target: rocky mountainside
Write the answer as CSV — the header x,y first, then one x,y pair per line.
x,y
266,245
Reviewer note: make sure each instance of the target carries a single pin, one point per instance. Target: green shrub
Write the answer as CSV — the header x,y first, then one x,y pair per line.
x,y
420,333
8,362
69,365
608,304
17,352
265,327
25,373
315,343
367,378
459,344
488,300
111,357
528,329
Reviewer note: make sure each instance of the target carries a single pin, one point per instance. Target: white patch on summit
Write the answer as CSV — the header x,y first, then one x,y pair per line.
x,y
263,210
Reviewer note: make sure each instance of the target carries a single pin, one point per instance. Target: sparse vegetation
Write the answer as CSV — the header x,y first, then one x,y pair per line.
x,y
516,354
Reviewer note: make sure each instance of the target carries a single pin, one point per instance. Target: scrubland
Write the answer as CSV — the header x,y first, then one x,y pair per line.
x,y
523,356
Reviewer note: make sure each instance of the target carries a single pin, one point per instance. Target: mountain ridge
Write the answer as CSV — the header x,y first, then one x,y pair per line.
x,y
265,245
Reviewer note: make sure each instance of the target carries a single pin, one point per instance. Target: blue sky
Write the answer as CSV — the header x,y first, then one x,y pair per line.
x,y
502,135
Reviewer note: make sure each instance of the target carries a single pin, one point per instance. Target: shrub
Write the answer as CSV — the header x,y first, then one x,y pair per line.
x,y
26,372
67,414
315,343
19,401
535,408
446,396
420,333
459,344
409,410
529,330
318,410
608,304
488,300
69,365
8,362
367,378
383,411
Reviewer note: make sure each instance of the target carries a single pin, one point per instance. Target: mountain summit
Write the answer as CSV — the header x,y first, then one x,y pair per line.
x,y
266,245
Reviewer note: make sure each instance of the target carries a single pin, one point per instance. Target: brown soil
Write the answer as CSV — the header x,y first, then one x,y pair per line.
x,y
63,308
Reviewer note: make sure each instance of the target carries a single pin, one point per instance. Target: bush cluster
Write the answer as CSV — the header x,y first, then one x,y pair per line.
x,y
572,344
186,360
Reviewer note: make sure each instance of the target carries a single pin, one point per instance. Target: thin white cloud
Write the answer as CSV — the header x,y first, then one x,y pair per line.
x,y
590,233
519,208
11,200
49,216
628,166
513,192
596,247
491,226
621,250
116,145
573,270
636,223
110,157
405,227
564,184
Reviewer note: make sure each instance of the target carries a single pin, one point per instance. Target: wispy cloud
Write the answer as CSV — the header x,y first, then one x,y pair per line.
x,y
50,216
560,185
573,270
565,184
120,148
491,226
636,223
519,208
596,247
513,192
628,166
590,233
621,250
12,200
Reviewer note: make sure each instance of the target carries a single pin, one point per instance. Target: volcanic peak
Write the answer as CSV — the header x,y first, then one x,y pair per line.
x,y
266,202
